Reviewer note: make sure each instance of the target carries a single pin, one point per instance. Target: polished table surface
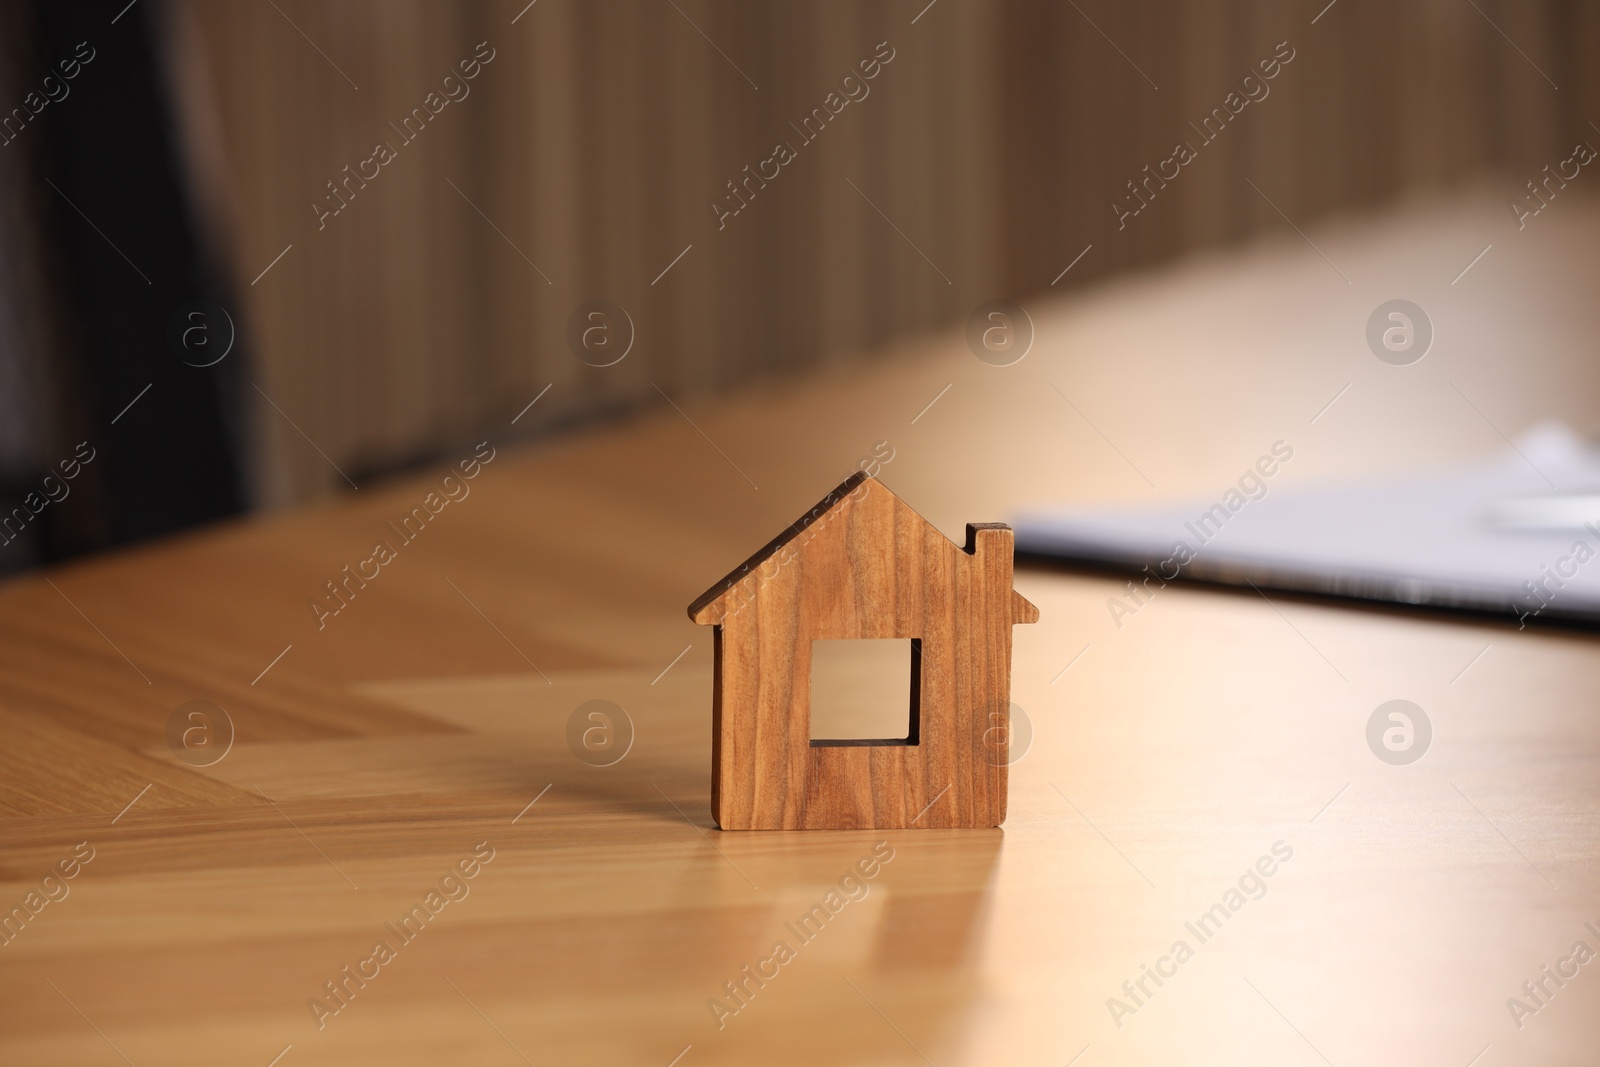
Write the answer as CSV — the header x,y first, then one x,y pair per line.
x,y
416,742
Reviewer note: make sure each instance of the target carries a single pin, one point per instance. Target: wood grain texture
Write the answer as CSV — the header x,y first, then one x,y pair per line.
x,y
1168,754
862,565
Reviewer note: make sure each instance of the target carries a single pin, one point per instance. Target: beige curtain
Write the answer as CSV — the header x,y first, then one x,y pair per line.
x,y
587,155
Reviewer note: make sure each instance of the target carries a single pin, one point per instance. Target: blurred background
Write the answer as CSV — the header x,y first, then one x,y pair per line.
x,y
254,254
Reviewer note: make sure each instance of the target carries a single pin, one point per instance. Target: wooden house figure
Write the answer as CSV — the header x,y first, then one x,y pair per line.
x,y
861,565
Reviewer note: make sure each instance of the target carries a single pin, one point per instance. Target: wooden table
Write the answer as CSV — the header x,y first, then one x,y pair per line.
x,y
426,724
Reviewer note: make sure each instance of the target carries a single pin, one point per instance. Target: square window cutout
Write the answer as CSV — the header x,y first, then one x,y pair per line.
x,y
866,692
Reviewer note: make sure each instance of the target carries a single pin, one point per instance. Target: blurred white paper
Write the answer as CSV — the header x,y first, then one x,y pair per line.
x,y
1491,536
